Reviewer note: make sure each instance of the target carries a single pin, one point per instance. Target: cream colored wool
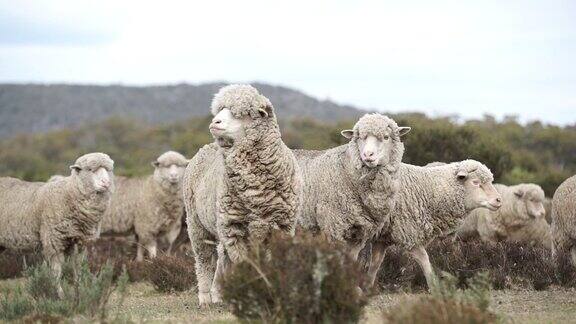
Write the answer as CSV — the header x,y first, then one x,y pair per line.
x,y
238,195
564,220
55,216
511,222
150,207
343,199
430,203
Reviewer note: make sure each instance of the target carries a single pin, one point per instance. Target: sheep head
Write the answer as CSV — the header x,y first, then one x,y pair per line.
x,y
95,172
236,109
476,180
169,169
528,200
377,139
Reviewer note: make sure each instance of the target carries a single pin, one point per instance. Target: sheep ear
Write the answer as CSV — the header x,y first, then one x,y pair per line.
x,y
75,167
263,113
403,130
155,164
348,133
519,193
462,175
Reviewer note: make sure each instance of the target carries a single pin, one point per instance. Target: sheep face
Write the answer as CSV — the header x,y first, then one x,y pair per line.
x,y
374,151
94,171
227,129
169,173
529,200
479,194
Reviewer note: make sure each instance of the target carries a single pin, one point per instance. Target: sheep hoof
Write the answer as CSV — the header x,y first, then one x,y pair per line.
x,y
216,297
204,299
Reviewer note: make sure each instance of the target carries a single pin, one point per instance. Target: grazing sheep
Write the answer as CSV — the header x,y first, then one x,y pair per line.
x,y
520,219
55,216
240,188
150,207
430,203
564,220
349,190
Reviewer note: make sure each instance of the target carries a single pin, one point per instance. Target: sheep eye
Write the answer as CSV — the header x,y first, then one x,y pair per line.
x,y
386,137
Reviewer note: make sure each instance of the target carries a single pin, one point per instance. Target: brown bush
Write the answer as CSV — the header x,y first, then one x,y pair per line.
x,y
296,280
508,264
12,263
438,311
170,273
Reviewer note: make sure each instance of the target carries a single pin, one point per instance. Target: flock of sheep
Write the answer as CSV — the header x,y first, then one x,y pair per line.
x,y
248,184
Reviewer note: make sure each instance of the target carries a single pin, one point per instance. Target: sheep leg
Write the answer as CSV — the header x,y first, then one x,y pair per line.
x,y
55,260
172,235
222,265
421,256
152,248
139,252
378,254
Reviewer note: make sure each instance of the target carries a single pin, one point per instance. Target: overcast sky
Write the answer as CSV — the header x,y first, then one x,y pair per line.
x,y
439,57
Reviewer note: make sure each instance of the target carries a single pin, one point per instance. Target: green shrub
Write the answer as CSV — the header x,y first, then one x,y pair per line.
x,y
295,280
447,304
85,293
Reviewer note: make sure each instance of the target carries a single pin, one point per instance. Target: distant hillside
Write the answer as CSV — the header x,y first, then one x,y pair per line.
x,y
40,108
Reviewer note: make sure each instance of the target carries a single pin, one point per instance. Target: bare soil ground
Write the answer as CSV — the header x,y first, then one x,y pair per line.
x,y
144,304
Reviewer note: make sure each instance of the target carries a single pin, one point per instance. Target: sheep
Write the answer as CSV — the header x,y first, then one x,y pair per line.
x,y
430,203
150,207
56,216
564,221
520,219
239,189
349,190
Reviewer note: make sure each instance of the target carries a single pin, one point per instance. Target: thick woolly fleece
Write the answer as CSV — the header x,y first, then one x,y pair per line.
x,y
430,203
510,222
564,219
52,216
148,207
343,199
239,194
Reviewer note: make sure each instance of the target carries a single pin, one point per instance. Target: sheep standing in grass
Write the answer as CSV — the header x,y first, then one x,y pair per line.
x,y
349,190
520,219
564,220
150,207
430,203
57,215
240,188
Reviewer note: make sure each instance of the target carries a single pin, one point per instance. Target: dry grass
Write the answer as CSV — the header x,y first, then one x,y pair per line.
x,y
144,303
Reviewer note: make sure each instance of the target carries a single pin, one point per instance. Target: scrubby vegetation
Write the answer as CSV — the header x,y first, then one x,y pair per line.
x,y
508,265
538,153
447,304
301,280
85,294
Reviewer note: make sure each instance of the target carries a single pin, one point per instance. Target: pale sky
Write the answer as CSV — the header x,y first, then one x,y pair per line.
x,y
440,57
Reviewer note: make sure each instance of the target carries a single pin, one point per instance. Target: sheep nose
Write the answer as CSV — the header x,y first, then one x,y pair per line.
x,y
217,121
368,153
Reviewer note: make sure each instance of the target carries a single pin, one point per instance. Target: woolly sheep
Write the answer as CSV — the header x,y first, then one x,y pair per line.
x,y
520,219
349,190
55,216
430,203
150,207
240,188
564,220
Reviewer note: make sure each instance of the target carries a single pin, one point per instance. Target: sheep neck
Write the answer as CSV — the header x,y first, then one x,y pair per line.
x,y
259,174
87,206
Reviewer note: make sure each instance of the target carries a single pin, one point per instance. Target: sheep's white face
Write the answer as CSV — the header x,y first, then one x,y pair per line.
x,y
478,194
99,180
227,129
530,203
169,175
375,151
